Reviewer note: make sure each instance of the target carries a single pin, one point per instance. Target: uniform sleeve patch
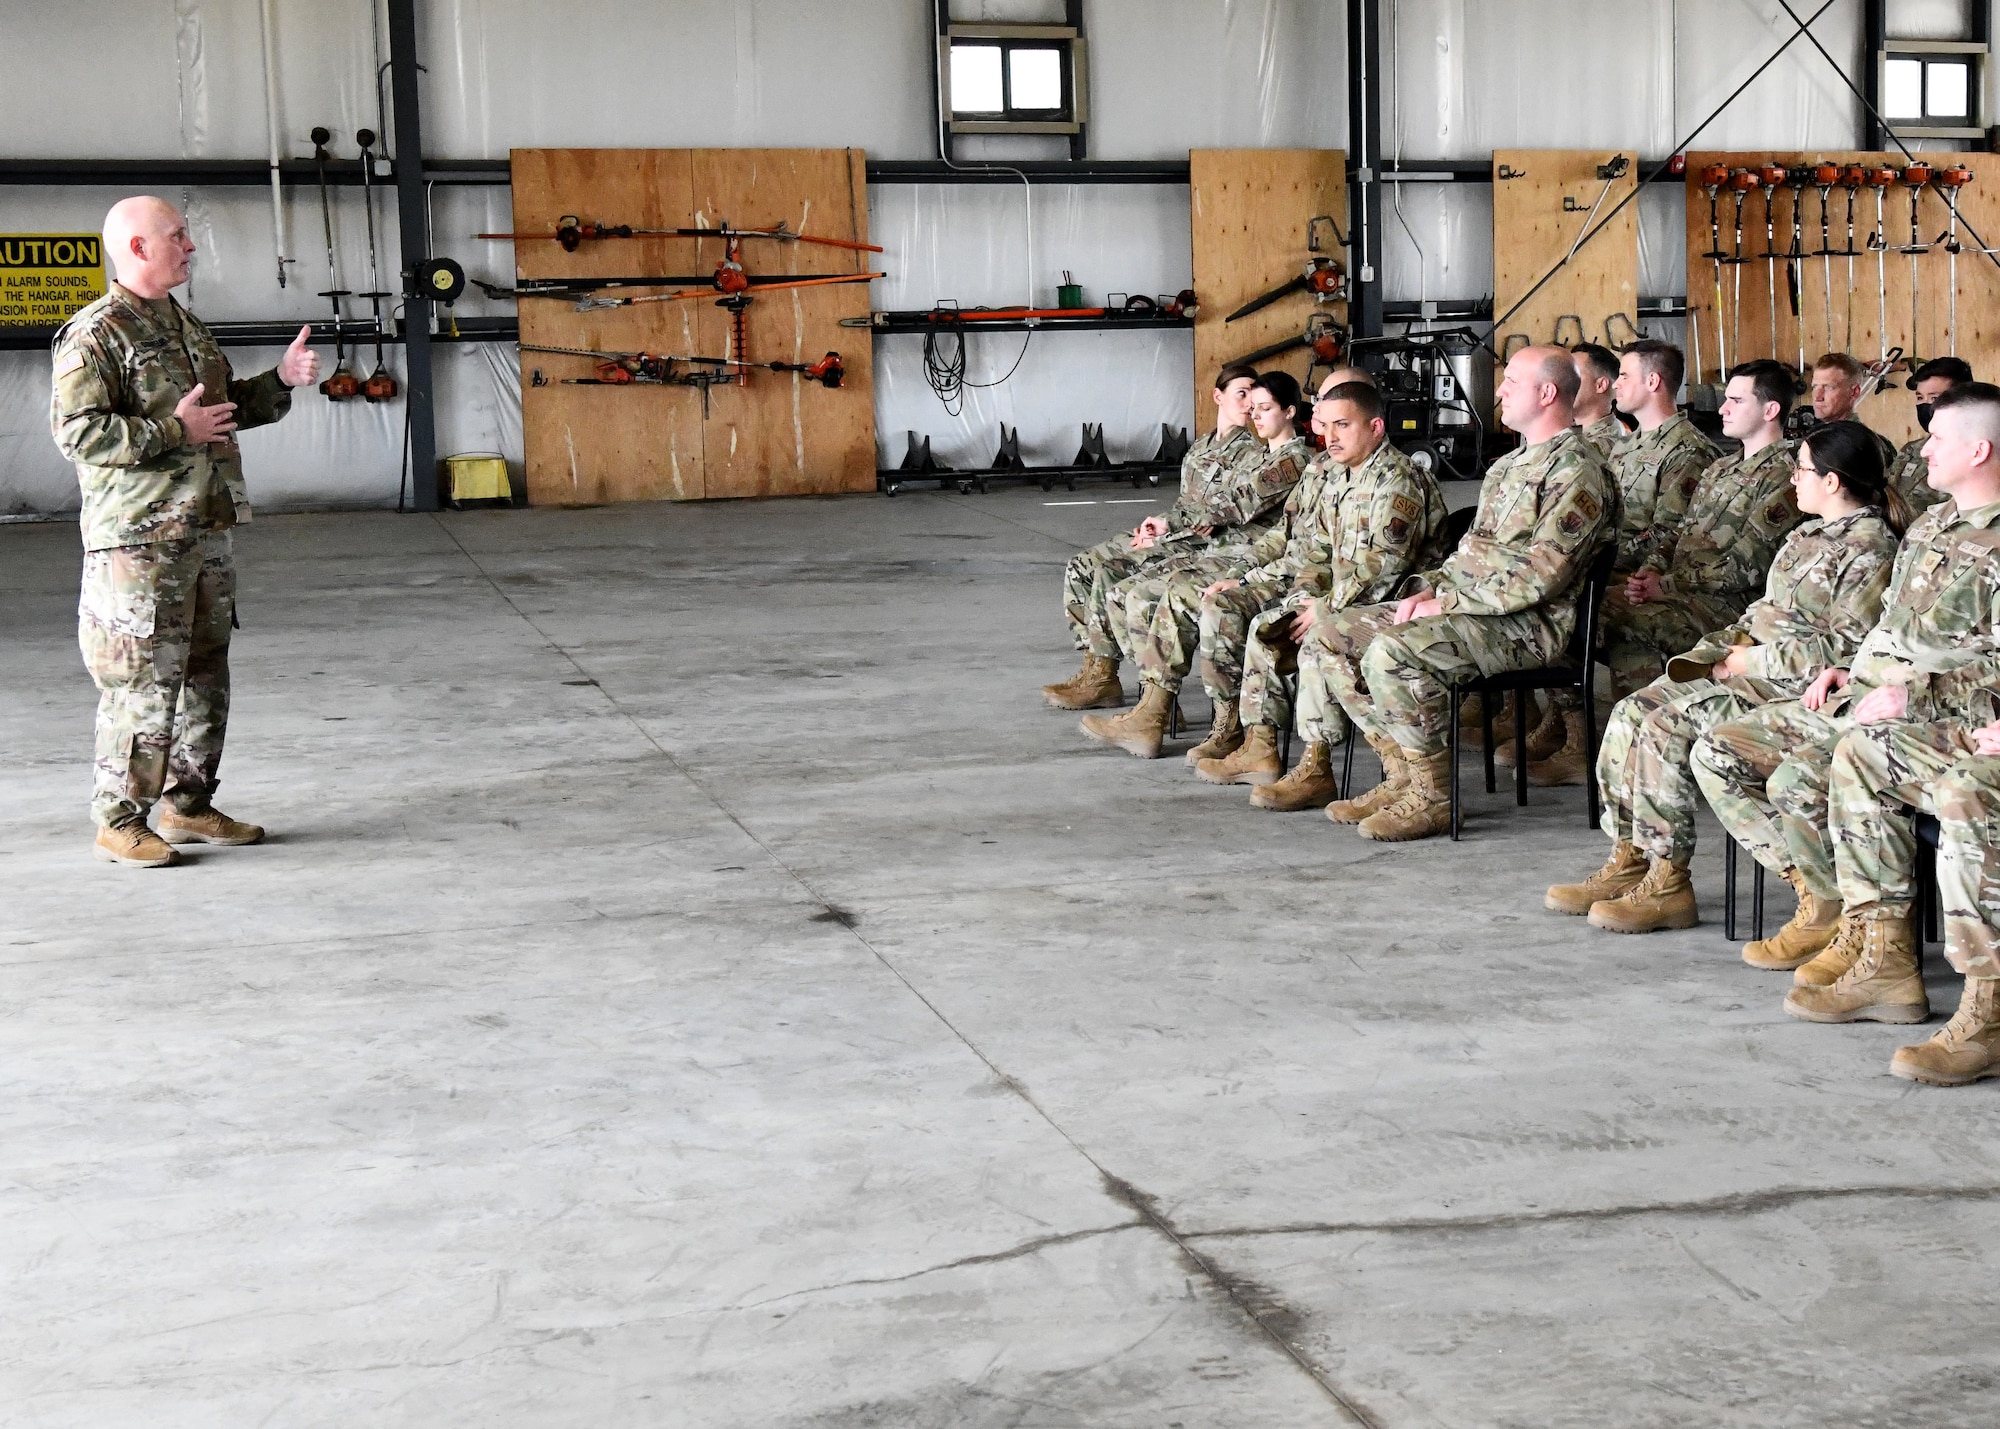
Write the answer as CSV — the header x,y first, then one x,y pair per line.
x,y
1777,513
1587,505
1399,530
1572,522
1405,506
71,361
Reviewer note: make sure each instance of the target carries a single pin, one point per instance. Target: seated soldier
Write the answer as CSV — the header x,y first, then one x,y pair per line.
x,y
1907,471
1383,520
1881,773
1929,658
1597,373
1699,576
1506,599
1823,595
1657,469
1836,393
1158,615
1277,414
1208,471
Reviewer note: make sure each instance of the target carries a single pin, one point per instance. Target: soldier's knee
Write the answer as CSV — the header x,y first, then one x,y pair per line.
x,y
1798,786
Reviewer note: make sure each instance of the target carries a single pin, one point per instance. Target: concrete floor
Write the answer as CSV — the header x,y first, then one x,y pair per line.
x,y
693,982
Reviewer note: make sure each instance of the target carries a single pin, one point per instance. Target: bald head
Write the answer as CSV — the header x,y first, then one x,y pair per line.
x,y
1339,376
146,240
1538,392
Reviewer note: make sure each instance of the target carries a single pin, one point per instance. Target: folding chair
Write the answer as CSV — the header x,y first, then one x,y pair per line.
x,y
1928,930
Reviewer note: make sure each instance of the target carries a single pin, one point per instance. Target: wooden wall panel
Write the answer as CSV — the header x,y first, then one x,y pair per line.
x,y
1532,231
1248,210
777,434
1854,321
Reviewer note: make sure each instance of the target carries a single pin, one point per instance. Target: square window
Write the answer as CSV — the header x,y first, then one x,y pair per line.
x,y
1947,87
1035,76
1902,88
975,80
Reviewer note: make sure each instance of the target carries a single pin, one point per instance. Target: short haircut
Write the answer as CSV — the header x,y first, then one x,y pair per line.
x,y
1839,362
1983,401
1603,361
1231,371
1954,370
1663,360
1365,397
1769,381
1557,368
1354,375
1284,390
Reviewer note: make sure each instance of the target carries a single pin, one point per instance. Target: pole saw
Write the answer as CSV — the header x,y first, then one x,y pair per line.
x,y
1851,178
572,232
627,369
1713,178
1878,178
1949,181
1916,177
340,384
729,280
1769,178
1798,180
1741,181
1825,176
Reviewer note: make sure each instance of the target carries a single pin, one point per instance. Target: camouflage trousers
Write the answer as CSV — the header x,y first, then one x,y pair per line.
x,y
1638,640
1091,576
1765,776
1269,649
1650,796
153,622
1155,616
1880,776
1393,680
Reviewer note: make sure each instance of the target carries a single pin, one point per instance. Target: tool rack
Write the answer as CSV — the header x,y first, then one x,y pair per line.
x,y
1091,463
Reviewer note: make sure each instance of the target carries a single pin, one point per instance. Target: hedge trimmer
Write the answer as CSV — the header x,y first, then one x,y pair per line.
x,y
572,232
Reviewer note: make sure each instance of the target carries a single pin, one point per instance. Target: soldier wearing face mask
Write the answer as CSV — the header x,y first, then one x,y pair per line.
x,y
1909,473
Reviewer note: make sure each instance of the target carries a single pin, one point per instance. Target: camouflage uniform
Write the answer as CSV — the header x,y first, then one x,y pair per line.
x,y
1766,775
1823,595
1249,514
1384,522
1604,434
1910,474
158,596
1711,564
1507,597
1089,575
1881,773
1666,462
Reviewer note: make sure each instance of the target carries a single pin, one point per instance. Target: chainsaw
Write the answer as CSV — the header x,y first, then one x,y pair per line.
x,y
572,232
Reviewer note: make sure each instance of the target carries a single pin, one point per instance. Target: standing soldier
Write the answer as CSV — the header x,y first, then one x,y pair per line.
x,y
1930,657
1206,472
1823,595
162,485
1506,599
1597,374
1909,473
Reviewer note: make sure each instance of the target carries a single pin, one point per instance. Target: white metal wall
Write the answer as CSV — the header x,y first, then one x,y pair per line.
x,y
185,80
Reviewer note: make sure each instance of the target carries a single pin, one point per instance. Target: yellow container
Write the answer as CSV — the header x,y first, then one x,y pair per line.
x,y
479,476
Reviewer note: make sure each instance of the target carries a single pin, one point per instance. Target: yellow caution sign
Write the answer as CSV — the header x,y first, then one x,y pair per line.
x,y
47,277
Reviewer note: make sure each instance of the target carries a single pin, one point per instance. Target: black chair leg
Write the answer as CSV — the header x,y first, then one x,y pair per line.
x,y
1486,735
1729,888
1590,799
1521,707
1347,762
1452,743
1757,900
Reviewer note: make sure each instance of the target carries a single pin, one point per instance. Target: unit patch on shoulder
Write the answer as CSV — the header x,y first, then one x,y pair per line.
x,y
1405,506
1399,530
1572,522
1778,512
1587,504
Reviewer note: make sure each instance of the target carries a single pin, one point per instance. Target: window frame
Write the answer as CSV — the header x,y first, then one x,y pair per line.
x,y
1066,40
1972,55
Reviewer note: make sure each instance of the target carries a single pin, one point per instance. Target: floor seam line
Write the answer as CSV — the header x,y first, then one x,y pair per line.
x,y
1117,1187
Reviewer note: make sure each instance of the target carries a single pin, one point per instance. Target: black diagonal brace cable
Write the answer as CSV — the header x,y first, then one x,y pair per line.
x,y
1679,148
1894,137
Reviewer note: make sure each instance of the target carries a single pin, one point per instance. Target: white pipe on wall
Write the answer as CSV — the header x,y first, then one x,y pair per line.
x,y
279,240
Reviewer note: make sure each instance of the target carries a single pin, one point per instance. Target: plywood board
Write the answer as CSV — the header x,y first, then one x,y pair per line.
x,y
1248,211
1867,316
777,433
1543,201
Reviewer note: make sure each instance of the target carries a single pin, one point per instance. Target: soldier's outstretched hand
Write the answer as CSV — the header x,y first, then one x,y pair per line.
x,y
205,424
299,367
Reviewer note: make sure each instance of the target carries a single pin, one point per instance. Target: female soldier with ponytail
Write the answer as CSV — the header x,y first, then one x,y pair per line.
x,y
1822,596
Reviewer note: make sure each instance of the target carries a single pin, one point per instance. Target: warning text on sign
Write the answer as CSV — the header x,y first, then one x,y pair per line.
x,y
47,277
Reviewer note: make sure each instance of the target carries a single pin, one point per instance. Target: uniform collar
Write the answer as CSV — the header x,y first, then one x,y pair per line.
x,y
1980,516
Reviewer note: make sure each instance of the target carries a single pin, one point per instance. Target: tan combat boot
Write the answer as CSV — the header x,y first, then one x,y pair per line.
x,y
1095,687
1422,809
135,846
210,826
1469,708
1804,938
1545,737
1967,1049
1569,764
1882,986
1255,761
1353,811
1625,867
1225,736
1140,729
1662,899
1833,960
1310,785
